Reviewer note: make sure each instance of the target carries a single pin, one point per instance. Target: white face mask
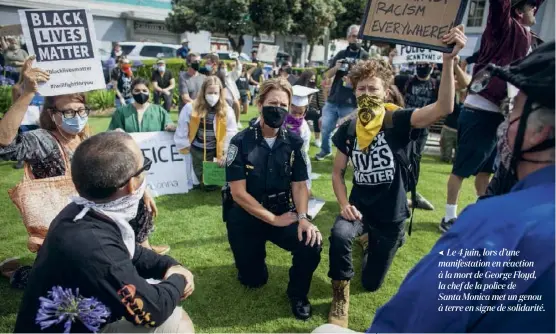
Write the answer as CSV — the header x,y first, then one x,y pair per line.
x,y
121,211
212,99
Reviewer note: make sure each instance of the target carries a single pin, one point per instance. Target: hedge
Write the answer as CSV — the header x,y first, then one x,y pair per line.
x,y
104,99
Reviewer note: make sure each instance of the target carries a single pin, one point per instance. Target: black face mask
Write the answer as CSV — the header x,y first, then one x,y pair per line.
x,y
288,70
195,66
274,116
312,84
141,98
354,46
423,72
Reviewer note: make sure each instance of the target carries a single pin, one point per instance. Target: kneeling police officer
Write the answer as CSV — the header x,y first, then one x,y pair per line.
x,y
267,198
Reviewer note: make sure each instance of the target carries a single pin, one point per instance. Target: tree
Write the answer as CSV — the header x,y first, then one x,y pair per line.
x,y
273,16
229,17
314,18
353,14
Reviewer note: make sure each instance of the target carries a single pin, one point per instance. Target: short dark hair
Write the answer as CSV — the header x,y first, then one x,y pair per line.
x,y
140,81
102,163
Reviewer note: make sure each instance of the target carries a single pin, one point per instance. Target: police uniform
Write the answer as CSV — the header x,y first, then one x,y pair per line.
x,y
268,172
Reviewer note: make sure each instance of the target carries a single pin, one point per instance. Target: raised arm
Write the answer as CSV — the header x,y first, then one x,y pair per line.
x,y
499,17
14,116
424,117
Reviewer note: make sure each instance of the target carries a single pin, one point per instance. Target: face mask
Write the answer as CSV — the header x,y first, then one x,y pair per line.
x,y
312,84
370,115
141,98
293,123
74,125
274,116
212,99
121,211
505,152
354,46
161,68
208,67
289,70
423,72
195,66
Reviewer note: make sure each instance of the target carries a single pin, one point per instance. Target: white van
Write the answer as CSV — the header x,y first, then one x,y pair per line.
x,y
148,50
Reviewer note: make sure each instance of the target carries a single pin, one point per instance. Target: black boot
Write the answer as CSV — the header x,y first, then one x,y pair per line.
x,y
301,308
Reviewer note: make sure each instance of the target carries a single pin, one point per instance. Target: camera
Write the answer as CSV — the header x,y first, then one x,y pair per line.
x,y
347,64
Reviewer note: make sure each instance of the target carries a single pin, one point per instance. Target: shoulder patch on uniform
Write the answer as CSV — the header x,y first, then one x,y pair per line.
x,y
232,153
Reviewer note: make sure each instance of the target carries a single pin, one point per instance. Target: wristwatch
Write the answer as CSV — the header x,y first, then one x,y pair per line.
x,y
303,216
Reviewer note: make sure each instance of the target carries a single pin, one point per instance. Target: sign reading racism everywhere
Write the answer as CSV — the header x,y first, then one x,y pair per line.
x,y
168,173
411,54
420,23
63,42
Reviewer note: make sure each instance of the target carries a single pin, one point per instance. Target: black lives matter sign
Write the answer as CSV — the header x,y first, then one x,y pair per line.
x,y
60,35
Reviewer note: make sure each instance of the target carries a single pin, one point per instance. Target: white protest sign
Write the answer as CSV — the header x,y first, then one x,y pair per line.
x,y
64,43
267,52
314,207
171,172
410,54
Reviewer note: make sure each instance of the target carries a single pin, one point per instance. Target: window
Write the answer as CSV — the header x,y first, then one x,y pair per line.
x,y
476,13
155,51
126,49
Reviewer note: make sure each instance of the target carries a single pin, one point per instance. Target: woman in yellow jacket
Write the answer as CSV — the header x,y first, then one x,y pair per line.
x,y
206,126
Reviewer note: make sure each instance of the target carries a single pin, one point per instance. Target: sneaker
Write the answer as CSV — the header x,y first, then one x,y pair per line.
x,y
318,143
423,203
445,225
239,126
321,156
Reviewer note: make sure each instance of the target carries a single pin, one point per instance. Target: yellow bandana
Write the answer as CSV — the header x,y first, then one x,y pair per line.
x,y
370,114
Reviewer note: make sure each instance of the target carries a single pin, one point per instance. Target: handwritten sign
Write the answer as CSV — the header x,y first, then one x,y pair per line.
x,y
171,172
411,54
11,30
213,175
420,23
267,52
64,43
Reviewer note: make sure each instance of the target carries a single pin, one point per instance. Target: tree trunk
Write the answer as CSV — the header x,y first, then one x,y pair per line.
x,y
236,46
311,48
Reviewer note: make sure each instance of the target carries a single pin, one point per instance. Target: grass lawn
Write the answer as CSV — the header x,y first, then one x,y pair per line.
x,y
191,224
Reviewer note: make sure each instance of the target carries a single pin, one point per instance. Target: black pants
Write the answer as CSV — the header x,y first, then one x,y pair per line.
x,y
384,241
167,100
313,115
248,236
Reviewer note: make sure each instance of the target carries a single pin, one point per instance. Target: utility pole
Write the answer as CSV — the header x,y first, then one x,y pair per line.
x,y
326,40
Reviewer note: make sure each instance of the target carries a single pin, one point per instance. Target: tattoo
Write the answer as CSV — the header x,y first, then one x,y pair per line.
x,y
343,174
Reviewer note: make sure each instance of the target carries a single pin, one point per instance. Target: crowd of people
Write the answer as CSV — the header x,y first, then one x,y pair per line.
x,y
500,119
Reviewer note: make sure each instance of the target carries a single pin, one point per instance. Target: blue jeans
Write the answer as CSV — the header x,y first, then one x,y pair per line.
x,y
127,101
331,113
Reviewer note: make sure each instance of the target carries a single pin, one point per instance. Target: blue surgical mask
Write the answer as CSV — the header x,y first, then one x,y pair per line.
x,y
74,125
208,67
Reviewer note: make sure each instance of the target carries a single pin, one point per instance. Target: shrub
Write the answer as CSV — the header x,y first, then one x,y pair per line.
x,y
5,99
101,99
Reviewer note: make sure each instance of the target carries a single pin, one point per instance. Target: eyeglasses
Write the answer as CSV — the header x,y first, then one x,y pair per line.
x,y
70,113
147,163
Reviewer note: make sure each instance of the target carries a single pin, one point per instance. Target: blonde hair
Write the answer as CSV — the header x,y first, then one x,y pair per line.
x,y
200,105
274,84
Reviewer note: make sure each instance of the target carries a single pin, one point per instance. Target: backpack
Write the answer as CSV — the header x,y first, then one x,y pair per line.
x,y
407,158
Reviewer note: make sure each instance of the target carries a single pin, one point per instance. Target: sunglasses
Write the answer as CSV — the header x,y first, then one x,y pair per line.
x,y
147,163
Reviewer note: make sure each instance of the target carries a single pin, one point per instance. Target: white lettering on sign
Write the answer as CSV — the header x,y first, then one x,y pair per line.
x,y
410,54
376,166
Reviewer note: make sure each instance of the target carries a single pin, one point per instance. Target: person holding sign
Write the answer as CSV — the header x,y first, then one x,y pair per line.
x,y
206,126
376,142
267,198
493,298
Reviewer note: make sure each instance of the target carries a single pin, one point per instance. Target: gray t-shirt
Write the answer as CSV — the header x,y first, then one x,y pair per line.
x,y
191,84
12,56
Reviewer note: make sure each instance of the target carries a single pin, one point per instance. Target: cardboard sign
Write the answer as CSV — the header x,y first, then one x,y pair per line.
x,y
170,172
213,175
267,52
64,43
411,54
11,30
420,23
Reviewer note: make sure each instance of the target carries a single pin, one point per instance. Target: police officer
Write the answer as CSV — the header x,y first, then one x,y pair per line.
x,y
266,170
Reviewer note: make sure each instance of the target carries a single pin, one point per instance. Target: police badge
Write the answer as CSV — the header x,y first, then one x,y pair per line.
x,y
232,153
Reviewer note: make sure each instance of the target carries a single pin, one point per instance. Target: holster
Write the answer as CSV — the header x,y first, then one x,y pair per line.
x,y
227,202
279,203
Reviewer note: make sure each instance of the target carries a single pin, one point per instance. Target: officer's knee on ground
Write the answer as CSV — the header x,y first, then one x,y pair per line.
x,y
253,280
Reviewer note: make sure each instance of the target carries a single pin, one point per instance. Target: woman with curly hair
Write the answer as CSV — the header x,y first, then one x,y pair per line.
x,y
375,141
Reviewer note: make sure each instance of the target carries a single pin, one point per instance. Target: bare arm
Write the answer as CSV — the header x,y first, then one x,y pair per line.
x,y
118,93
423,117
172,85
249,203
14,116
300,194
156,88
462,78
16,92
338,178
186,98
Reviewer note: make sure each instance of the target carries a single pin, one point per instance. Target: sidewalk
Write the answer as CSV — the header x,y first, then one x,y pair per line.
x,y
433,144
